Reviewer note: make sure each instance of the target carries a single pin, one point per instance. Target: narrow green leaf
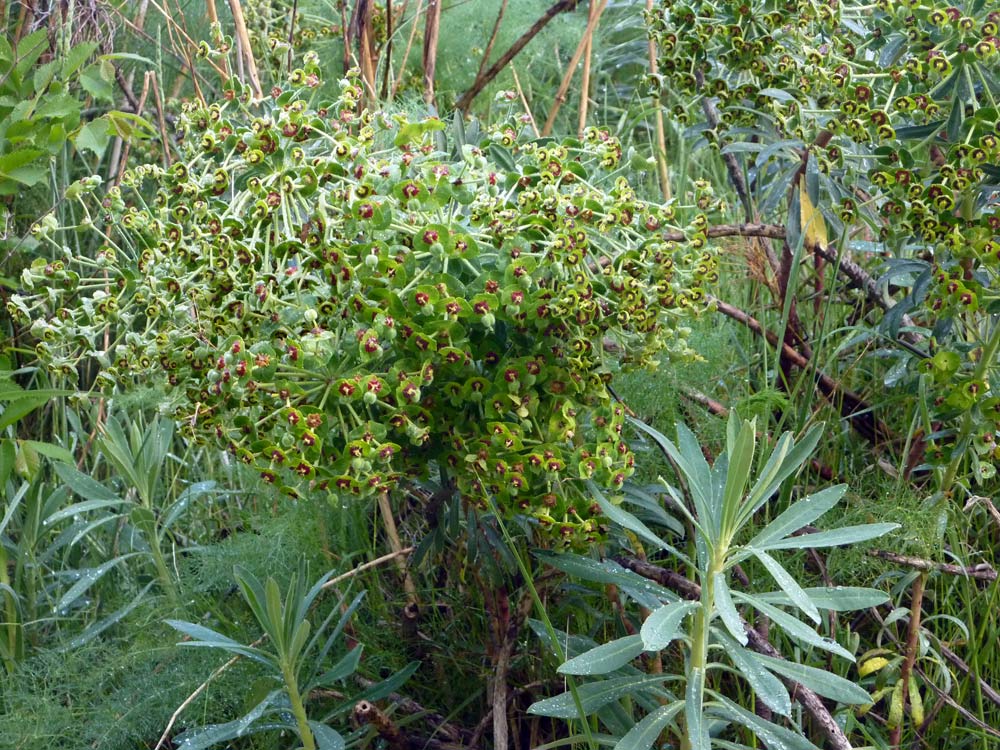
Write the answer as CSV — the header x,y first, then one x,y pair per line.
x,y
326,738
836,598
663,626
835,537
83,485
208,638
55,452
605,658
819,681
95,629
727,610
626,520
644,734
774,736
343,668
798,514
767,687
85,507
789,585
87,577
793,627
740,451
786,459
594,696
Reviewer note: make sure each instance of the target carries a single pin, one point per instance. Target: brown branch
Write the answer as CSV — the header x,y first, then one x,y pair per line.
x,y
810,701
981,572
493,39
406,52
483,80
910,654
852,406
661,137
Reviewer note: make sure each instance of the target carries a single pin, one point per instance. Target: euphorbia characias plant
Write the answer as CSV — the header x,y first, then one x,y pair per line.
x,y
340,304
722,503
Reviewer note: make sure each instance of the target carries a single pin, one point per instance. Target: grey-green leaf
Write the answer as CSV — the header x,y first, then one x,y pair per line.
x,y
605,658
793,627
819,681
789,585
836,598
663,625
799,514
767,687
727,610
593,696
644,734
835,537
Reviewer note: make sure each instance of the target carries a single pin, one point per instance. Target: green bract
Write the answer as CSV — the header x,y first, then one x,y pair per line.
x,y
337,302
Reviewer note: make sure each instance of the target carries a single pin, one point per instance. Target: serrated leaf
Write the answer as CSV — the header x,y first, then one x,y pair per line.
x,y
663,626
97,83
819,681
605,658
94,136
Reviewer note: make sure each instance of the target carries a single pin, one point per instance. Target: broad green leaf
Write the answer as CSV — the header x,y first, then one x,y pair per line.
x,y
798,514
793,627
43,76
835,537
789,585
765,685
83,485
663,626
96,80
21,403
605,658
594,696
727,610
819,681
644,734
94,136
836,598
29,49
76,57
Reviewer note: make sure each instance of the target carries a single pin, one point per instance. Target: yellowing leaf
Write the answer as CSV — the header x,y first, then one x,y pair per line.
x,y
872,665
916,702
811,219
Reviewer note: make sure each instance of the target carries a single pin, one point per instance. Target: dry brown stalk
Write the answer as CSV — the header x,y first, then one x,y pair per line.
x,y
432,28
981,572
406,53
585,80
910,654
588,34
524,103
661,137
244,36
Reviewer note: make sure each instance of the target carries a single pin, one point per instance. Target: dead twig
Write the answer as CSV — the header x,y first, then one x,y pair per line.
x,y
588,34
484,79
981,572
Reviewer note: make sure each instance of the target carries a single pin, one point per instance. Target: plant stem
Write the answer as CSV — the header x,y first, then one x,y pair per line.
x,y
698,660
298,710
